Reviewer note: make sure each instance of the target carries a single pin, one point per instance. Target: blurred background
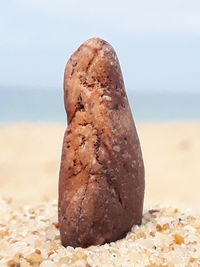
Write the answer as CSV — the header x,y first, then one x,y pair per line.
x,y
157,43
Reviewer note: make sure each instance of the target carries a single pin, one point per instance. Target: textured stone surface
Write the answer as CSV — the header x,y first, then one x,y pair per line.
x,y
101,186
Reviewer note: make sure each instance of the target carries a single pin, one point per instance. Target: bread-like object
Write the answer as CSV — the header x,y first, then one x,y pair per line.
x,y
101,183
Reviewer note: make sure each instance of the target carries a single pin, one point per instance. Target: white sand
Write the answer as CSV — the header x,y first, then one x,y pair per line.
x,y
29,237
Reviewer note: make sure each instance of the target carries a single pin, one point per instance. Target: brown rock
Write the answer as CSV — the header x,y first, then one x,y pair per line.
x,y
101,186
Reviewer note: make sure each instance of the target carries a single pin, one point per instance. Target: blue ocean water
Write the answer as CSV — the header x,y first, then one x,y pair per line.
x,y
47,105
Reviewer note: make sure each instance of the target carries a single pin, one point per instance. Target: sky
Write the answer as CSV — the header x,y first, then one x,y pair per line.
x,y
157,42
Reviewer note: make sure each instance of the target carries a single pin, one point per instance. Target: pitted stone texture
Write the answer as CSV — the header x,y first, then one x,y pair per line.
x,y
101,186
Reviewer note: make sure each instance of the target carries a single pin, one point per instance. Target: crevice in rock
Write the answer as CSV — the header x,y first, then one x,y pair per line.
x,y
91,61
109,179
83,139
78,107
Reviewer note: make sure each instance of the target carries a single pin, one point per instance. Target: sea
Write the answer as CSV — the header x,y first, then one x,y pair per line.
x,y
42,105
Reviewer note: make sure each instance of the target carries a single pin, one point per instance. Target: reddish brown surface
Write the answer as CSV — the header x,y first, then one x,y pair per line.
x,y
101,186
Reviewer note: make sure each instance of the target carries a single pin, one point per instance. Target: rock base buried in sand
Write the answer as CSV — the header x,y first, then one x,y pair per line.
x,y
29,236
101,186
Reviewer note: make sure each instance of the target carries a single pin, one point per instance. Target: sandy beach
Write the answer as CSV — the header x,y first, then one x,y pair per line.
x,y
170,231
30,157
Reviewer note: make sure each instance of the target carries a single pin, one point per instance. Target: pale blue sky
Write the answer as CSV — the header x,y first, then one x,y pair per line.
x,y
157,42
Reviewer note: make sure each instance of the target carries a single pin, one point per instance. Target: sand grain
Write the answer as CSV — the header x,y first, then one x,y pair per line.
x,y
30,237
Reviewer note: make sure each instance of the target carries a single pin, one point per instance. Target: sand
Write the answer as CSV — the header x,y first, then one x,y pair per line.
x,y
170,230
30,157
30,237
